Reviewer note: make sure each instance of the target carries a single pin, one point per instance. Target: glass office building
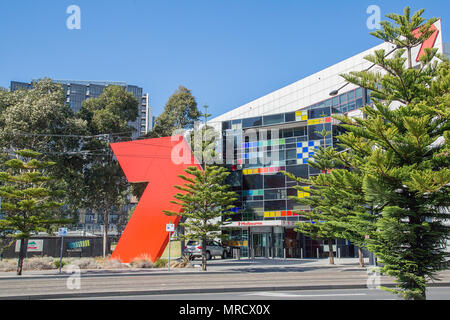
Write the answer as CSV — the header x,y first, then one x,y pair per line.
x,y
262,147
280,132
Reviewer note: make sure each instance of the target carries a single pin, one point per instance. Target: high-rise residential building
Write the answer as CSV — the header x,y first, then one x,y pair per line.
x,y
78,91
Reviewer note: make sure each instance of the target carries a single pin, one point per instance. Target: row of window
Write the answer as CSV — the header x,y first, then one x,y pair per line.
x,y
340,104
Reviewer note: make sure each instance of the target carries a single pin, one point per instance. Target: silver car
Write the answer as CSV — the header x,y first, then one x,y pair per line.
x,y
213,248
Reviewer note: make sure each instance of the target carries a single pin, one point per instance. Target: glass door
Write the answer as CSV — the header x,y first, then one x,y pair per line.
x,y
261,244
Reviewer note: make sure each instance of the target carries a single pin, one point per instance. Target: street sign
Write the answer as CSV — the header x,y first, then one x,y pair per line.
x,y
170,227
62,232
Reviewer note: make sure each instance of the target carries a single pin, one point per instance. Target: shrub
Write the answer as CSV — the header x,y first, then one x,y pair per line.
x,y
86,263
8,265
56,263
143,262
161,263
39,263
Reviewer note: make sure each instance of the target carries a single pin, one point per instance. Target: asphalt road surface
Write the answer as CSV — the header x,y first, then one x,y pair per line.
x,y
437,293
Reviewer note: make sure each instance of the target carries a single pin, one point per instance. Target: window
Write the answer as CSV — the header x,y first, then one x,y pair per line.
x,y
343,98
319,113
251,122
286,133
351,106
252,182
351,95
289,117
299,170
298,132
313,131
273,119
274,181
276,194
291,154
358,93
335,101
277,205
359,103
226,125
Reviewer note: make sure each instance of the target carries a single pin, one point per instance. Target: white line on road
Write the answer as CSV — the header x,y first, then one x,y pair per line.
x,y
287,295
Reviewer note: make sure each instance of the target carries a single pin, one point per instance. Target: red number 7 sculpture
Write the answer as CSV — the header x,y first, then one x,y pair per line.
x,y
159,162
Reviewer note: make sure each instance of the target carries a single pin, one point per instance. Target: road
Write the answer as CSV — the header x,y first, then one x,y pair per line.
x,y
437,293
224,280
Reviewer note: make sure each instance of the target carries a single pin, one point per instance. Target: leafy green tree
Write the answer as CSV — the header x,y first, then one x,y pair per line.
x,y
105,188
405,170
180,112
39,119
205,199
28,204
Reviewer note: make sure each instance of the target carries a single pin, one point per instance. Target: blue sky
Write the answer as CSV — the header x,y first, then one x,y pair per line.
x,y
227,52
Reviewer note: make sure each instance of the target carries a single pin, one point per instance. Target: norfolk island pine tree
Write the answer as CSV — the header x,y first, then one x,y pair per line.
x,y
28,204
406,169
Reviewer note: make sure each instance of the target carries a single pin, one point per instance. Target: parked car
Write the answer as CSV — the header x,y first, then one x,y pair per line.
x,y
213,248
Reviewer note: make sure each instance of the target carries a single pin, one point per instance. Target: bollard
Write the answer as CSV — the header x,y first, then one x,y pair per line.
x,y
317,253
301,253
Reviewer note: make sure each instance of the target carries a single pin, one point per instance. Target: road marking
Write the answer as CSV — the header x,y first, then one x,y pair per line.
x,y
287,295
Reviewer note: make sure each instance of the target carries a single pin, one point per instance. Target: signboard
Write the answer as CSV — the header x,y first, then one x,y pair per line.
x,y
33,245
326,249
62,232
170,227
79,244
262,223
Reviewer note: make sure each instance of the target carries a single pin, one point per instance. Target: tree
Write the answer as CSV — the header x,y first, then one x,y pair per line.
x,y
180,112
339,210
41,120
204,200
105,188
409,32
28,204
406,171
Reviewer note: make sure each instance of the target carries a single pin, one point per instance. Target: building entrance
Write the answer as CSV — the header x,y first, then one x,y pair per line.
x,y
261,244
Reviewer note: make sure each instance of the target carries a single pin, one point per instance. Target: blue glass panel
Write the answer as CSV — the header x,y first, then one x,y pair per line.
x,y
305,149
311,143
